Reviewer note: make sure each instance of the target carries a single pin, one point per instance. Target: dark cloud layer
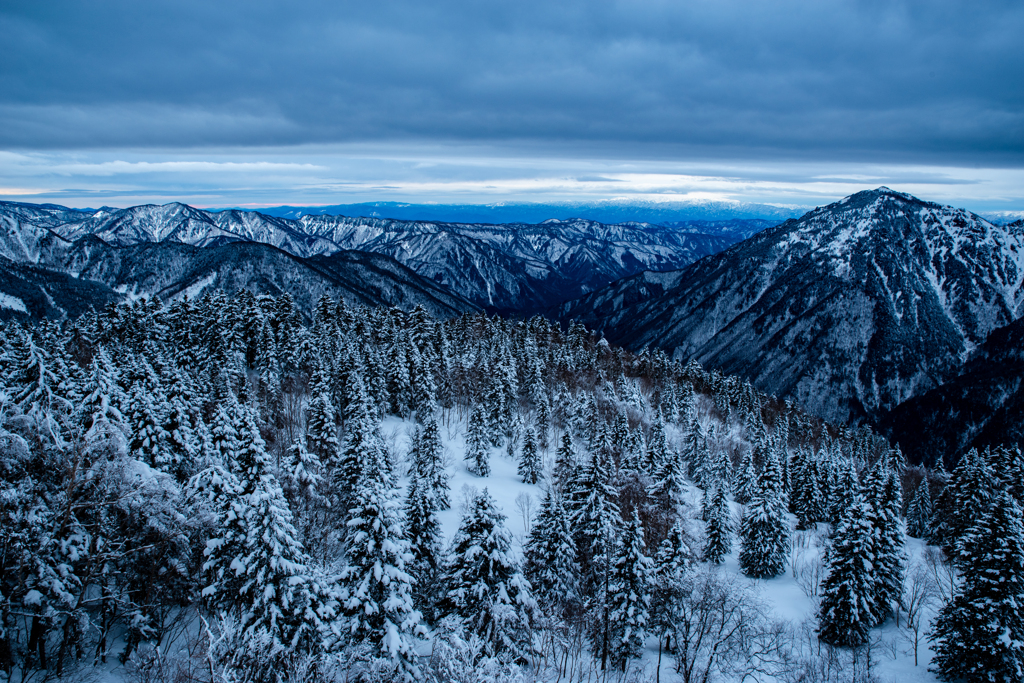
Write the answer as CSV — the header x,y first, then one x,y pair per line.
x,y
928,80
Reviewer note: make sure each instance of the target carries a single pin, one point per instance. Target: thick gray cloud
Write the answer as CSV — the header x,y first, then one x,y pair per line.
x,y
929,81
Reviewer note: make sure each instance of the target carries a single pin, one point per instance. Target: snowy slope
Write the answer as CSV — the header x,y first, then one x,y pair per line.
x,y
172,270
521,267
850,309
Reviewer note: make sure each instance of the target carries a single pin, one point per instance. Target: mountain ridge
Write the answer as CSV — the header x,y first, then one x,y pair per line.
x,y
515,267
872,299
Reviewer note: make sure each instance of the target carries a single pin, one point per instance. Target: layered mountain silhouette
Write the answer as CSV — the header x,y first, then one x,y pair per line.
x,y
505,268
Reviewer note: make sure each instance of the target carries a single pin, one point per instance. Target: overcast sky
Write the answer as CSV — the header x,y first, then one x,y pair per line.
x,y
266,103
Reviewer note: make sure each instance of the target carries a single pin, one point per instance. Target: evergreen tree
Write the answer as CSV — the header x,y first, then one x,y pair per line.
x,y
670,482
595,522
484,586
847,489
423,528
257,567
764,533
657,447
478,443
967,496
362,445
718,541
321,429
529,459
746,478
565,466
377,587
846,611
919,514
428,458
979,635
550,554
885,497
630,595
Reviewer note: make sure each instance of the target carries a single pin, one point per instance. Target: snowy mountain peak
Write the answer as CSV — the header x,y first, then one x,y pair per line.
x,y
849,309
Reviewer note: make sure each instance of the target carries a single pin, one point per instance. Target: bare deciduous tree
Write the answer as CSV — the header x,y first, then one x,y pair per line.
x,y
919,593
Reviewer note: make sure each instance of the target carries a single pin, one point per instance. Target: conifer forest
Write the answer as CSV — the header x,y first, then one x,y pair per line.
x,y
226,490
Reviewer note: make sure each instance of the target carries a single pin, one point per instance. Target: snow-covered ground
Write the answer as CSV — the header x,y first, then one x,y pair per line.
x,y
787,595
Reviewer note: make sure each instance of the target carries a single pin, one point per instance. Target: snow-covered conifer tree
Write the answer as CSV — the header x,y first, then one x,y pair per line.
x,y
378,596
478,443
529,458
484,586
764,533
718,534
919,514
629,596
884,496
979,634
846,613
428,458
550,554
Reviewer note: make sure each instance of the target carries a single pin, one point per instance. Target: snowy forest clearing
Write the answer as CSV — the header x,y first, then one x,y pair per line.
x,y
786,595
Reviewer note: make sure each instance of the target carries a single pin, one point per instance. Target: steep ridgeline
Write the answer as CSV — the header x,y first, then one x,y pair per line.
x,y
90,272
983,406
516,267
849,310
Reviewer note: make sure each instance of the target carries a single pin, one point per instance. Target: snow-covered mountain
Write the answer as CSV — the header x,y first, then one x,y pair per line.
x,y
171,270
850,309
518,267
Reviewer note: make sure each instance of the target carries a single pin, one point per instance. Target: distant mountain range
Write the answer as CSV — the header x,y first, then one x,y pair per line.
x,y
612,211
508,268
850,309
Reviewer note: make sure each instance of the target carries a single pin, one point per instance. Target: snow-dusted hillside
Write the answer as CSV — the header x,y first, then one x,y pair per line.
x,y
849,310
516,267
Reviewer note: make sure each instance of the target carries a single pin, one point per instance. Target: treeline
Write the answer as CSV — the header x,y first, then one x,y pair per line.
x,y
212,475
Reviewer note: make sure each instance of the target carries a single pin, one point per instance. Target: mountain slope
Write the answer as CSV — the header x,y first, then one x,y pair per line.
x,y
850,309
170,270
517,267
32,291
983,406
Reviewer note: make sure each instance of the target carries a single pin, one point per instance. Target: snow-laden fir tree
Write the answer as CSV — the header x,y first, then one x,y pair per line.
x,y
428,459
423,528
630,587
962,503
321,430
846,490
565,466
657,446
596,521
846,612
478,442
362,445
144,421
529,458
919,514
884,496
377,588
484,586
256,567
669,482
745,483
979,634
764,532
550,555
718,529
